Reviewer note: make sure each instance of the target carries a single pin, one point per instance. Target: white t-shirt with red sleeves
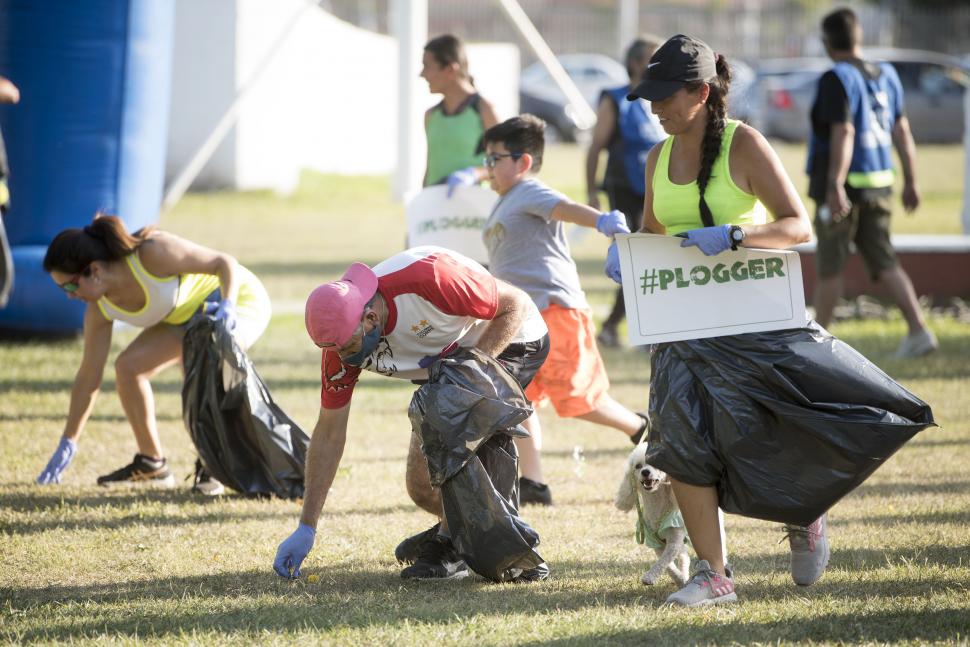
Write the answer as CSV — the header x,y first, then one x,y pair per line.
x,y
436,299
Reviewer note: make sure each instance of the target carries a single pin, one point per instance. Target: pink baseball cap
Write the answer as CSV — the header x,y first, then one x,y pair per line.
x,y
334,309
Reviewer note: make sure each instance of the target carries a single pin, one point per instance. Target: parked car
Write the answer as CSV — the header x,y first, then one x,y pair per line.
x,y
933,83
540,96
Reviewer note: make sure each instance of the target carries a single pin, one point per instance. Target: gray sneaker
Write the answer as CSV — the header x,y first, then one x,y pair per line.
x,y
704,588
809,551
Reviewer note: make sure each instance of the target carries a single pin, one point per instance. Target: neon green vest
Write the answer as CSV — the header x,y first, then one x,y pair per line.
x,y
677,208
454,141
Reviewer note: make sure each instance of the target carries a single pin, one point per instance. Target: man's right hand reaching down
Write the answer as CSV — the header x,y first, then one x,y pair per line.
x,y
293,550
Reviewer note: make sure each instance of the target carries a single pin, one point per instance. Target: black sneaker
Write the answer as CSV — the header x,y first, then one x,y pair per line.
x,y
537,574
437,560
532,492
204,483
143,471
644,428
408,551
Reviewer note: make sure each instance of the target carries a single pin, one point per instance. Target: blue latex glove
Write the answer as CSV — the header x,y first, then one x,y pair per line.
x,y
293,550
63,455
612,223
226,312
462,177
613,263
710,240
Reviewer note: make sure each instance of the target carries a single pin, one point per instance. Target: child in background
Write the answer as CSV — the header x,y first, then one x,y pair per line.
x,y
527,247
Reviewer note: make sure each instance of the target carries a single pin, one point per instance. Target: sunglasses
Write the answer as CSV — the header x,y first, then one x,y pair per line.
x,y
492,159
73,286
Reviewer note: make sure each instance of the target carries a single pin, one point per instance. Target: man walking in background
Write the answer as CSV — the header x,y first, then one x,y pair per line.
x,y
857,117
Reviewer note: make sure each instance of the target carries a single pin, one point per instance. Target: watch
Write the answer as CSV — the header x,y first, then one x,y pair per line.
x,y
737,236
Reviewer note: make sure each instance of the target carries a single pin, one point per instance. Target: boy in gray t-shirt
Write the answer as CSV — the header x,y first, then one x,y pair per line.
x,y
527,247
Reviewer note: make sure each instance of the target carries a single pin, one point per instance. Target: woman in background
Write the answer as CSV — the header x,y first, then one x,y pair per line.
x,y
454,127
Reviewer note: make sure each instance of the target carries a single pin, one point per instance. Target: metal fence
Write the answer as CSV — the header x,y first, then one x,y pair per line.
x,y
748,29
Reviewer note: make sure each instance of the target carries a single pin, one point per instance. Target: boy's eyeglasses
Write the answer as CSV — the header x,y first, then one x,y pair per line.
x,y
492,159
73,285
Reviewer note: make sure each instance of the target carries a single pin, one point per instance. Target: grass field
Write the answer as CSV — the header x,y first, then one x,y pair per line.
x,y
80,564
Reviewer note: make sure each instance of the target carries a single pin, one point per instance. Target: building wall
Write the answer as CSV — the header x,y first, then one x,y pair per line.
x,y
327,99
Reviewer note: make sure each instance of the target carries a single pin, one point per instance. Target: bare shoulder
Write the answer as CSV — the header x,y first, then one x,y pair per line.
x,y
158,250
750,146
749,139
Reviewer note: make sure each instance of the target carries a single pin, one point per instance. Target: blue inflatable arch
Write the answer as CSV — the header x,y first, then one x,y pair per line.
x,y
89,132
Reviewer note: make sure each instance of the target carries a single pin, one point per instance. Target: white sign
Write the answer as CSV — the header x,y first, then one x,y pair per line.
x,y
454,223
674,293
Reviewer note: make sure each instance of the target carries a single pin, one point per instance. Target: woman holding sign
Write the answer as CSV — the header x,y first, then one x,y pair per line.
x,y
776,425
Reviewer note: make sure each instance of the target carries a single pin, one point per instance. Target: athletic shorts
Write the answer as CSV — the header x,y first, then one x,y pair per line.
x,y
253,312
573,377
867,225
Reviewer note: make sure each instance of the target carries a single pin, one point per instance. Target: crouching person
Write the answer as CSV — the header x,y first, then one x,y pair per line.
x,y
398,319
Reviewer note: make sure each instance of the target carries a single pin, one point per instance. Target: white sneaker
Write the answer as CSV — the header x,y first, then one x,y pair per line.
x,y
918,344
204,483
704,588
809,551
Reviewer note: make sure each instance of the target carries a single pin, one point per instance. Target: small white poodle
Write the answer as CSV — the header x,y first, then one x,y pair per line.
x,y
659,523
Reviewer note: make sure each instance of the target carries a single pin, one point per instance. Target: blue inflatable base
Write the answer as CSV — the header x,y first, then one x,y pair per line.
x,y
37,304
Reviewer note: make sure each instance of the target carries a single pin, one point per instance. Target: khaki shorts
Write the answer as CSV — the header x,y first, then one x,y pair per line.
x,y
573,376
867,225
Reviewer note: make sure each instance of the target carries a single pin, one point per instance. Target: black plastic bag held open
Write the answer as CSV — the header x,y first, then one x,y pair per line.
x,y
242,436
466,416
785,423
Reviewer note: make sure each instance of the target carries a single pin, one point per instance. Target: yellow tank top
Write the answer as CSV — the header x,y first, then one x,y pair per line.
x,y
174,299
676,206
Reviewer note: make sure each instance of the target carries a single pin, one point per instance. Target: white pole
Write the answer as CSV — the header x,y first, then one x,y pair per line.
x,y
410,20
584,117
184,178
966,160
628,27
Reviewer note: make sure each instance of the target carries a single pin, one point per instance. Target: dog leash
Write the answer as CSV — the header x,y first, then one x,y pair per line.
x,y
641,524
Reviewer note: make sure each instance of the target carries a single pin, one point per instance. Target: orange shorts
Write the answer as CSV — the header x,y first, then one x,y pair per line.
x,y
573,376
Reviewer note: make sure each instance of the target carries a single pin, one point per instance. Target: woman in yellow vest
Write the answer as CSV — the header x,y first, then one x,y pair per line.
x,y
152,280
454,127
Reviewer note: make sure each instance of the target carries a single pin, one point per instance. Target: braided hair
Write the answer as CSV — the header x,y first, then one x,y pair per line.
x,y
714,133
105,239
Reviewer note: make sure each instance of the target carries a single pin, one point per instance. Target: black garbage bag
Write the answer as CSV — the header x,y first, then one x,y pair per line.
x,y
786,423
466,416
243,438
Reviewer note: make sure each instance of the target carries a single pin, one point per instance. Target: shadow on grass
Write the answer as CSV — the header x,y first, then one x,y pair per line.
x,y
258,601
899,489
855,559
210,511
886,626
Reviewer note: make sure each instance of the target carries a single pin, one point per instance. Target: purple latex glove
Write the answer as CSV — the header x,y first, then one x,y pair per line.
x,y
226,312
293,550
613,264
462,177
612,223
710,240
428,360
63,455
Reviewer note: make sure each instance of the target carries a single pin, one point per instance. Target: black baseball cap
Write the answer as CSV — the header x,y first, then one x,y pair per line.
x,y
679,61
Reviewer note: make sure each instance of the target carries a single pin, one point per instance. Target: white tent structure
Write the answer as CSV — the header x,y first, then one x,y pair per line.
x,y
262,90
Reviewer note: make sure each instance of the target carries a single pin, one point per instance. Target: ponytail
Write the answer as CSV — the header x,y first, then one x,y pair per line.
x,y
105,239
714,133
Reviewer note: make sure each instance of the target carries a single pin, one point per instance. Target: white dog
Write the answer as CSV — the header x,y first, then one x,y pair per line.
x,y
659,524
